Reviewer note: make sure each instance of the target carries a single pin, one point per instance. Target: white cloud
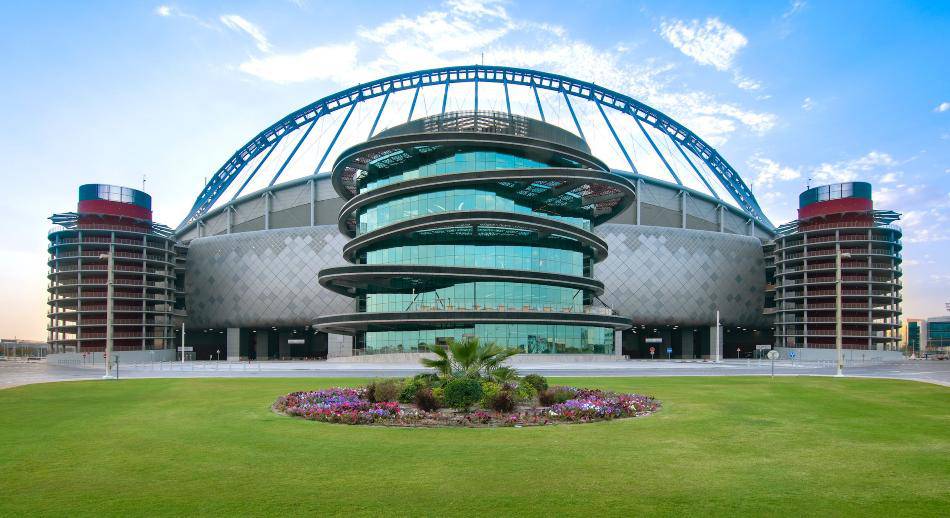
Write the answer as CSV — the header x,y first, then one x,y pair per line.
x,y
746,83
713,43
852,169
331,62
794,8
890,177
479,8
163,10
942,107
461,30
238,23
808,104
768,171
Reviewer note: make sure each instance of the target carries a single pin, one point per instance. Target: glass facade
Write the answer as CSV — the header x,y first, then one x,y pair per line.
x,y
98,191
530,338
530,258
452,200
834,192
938,337
498,244
505,296
462,161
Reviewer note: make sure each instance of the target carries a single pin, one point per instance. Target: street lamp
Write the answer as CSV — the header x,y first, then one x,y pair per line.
x,y
107,356
838,257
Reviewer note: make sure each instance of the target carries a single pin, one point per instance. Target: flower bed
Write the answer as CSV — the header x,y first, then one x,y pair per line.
x,y
352,406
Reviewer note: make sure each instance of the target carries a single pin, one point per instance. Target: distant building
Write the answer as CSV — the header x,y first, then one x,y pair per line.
x,y
936,337
911,331
15,348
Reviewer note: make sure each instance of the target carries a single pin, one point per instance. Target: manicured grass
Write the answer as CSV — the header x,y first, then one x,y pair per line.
x,y
719,446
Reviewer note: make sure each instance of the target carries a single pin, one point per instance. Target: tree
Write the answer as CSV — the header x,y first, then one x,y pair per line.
x,y
468,358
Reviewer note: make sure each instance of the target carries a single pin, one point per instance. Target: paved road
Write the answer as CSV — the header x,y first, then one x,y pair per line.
x,y
14,373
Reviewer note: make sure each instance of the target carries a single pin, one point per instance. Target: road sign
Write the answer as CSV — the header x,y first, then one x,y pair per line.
x,y
772,355
652,349
762,347
792,354
669,350
186,349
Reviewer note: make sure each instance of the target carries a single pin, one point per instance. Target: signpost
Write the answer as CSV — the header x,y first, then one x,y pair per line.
x,y
652,351
772,355
669,353
738,350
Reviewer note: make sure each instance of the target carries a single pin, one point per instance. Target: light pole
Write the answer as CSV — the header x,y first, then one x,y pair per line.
x,y
838,257
107,356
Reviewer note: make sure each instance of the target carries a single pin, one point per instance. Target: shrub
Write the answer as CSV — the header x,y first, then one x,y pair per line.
x,y
502,401
439,394
462,393
427,379
489,390
426,400
380,391
409,390
555,395
525,392
540,383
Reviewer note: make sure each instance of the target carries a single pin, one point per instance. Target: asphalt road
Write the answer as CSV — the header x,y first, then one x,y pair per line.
x,y
16,373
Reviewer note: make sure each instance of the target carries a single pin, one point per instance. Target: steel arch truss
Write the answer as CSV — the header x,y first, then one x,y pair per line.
x,y
533,79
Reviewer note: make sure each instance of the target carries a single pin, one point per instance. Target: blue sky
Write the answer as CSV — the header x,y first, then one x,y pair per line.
x,y
785,90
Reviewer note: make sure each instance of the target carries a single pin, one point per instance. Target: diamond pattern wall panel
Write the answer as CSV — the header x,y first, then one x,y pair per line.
x,y
263,278
659,275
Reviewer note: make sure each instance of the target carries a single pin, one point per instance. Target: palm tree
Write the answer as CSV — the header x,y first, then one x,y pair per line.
x,y
468,358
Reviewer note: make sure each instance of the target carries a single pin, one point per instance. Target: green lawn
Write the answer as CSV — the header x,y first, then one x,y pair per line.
x,y
719,446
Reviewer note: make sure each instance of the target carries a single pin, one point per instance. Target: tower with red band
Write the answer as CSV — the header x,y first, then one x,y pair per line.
x,y
833,219
110,221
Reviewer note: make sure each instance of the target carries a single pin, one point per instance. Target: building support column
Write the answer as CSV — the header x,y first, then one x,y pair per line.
x,y
618,343
234,344
639,193
686,341
313,201
267,205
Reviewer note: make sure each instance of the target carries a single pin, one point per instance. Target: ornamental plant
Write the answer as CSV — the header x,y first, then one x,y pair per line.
x,y
502,401
463,393
467,358
426,401
540,383
380,391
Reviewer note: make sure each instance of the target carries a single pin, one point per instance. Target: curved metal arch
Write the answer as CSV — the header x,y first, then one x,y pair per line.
x,y
726,174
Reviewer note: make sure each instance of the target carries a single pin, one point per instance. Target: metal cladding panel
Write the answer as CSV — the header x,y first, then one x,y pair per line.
x,y
657,275
264,278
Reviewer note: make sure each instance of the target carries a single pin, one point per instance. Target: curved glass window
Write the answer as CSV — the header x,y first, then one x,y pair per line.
x,y
415,205
459,161
503,296
535,259
530,338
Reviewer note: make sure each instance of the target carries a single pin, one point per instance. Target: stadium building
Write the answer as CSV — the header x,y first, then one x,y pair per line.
x,y
525,208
